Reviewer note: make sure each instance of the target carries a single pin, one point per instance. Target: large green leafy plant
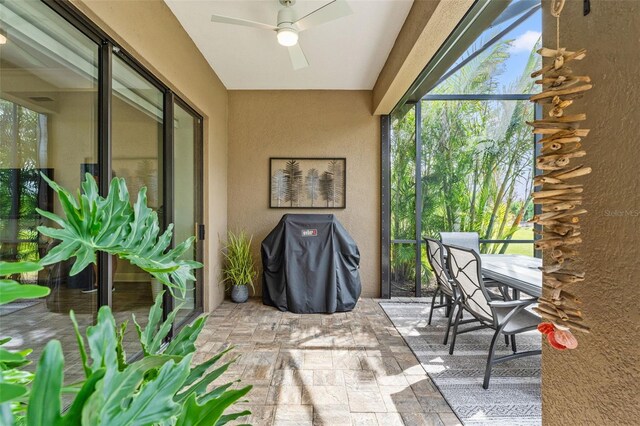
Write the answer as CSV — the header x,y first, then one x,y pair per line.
x,y
160,388
14,381
93,223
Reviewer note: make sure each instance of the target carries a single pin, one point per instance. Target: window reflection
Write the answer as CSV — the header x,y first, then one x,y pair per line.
x,y
137,116
48,125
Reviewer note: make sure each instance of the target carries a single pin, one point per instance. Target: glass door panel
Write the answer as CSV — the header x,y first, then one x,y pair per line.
x,y
48,125
187,194
137,115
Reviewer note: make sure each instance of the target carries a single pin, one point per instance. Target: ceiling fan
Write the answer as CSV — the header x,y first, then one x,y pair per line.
x,y
288,26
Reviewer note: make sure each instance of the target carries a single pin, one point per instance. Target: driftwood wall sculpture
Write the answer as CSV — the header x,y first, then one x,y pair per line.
x,y
560,198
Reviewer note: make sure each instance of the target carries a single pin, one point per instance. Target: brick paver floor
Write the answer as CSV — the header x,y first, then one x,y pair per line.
x,y
348,368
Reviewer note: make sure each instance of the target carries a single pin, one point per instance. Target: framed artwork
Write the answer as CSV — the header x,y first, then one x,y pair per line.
x,y
308,183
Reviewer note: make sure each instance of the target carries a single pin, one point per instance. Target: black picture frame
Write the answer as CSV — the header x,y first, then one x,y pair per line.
x,y
330,177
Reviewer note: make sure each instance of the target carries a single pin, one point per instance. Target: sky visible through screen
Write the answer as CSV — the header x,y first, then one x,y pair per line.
x,y
523,39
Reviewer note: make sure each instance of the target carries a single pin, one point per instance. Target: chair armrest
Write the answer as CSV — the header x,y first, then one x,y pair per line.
x,y
512,303
488,282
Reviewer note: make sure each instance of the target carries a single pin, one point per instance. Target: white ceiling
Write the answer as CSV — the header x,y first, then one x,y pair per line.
x,y
344,54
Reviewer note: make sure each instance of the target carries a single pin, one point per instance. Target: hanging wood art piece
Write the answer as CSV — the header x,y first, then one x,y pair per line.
x,y
560,198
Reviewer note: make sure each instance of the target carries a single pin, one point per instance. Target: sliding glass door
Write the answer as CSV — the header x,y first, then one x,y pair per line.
x,y
72,102
187,176
48,126
136,147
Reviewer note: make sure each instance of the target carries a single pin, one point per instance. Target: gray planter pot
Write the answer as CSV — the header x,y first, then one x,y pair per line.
x,y
239,293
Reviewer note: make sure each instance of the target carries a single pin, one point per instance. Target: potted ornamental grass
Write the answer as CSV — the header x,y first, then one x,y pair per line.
x,y
239,270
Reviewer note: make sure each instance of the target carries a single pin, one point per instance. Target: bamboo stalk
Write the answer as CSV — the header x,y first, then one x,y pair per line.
x,y
538,124
567,251
568,309
544,131
575,154
553,193
559,207
565,274
554,268
561,149
552,53
570,213
565,119
561,134
569,197
567,79
562,186
547,243
554,310
560,140
560,92
574,56
566,323
555,165
570,97
560,215
563,229
539,180
579,171
546,222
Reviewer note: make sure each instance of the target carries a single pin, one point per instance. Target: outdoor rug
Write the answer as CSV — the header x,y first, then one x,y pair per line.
x,y
513,397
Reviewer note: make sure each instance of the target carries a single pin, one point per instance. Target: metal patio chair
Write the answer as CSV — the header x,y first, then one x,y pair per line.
x,y
444,285
507,317
471,240
436,255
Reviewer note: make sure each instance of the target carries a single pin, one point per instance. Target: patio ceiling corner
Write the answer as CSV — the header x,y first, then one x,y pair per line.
x,y
427,26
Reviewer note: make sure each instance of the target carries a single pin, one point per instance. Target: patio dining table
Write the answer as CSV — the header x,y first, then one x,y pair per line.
x,y
521,273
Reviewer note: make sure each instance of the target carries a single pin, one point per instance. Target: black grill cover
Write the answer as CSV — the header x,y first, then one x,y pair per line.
x,y
310,265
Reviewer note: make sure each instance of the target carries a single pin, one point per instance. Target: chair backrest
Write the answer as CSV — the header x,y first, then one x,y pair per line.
x,y
470,240
435,256
465,269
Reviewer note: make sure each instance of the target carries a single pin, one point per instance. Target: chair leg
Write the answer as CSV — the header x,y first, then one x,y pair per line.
x,y
449,321
504,291
433,302
447,310
506,340
455,330
492,350
513,343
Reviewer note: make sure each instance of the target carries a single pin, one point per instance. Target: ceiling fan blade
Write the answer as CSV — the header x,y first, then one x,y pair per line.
x,y
243,22
329,12
298,60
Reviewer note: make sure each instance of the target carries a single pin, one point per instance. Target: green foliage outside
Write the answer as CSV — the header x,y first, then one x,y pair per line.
x,y
19,123
160,388
476,169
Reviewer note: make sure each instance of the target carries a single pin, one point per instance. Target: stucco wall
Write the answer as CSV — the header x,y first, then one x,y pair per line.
x,y
151,33
598,383
265,124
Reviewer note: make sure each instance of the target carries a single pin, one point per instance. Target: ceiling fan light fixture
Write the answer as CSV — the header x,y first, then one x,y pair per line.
x,y
287,37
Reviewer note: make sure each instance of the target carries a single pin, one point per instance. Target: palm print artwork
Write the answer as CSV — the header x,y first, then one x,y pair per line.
x,y
300,183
